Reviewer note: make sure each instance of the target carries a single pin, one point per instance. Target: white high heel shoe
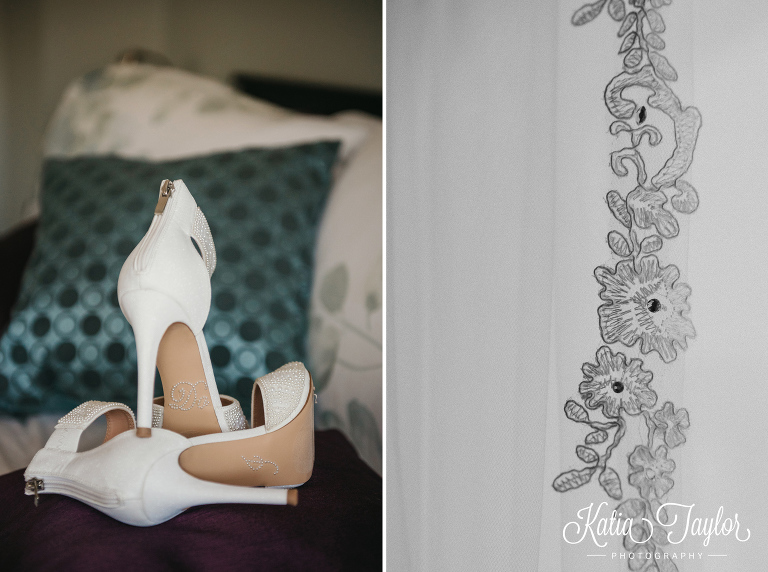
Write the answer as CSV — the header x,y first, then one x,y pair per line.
x,y
164,290
142,482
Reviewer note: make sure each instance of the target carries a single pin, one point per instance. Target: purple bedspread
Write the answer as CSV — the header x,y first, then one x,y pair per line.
x,y
337,525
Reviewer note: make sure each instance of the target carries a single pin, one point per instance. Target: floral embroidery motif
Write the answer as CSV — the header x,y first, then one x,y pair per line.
x,y
645,304
671,424
649,471
184,396
256,460
616,385
643,301
644,545
648,210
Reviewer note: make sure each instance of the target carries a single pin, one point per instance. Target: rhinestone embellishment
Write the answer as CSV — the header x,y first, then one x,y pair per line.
x,y
235,417
233,414
157,416
88,411
201,232
184,396
259,462
281,391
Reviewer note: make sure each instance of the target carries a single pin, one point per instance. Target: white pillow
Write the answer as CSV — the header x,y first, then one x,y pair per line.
x,y
161,113
345,340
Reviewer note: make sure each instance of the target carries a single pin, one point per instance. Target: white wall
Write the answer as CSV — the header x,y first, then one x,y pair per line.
x,y
329,41
4,101
44,44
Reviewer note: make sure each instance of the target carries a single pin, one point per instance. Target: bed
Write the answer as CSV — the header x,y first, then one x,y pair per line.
x,y
115,129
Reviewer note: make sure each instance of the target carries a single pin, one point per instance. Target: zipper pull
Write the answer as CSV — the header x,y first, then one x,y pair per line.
x,y
35,485
166,190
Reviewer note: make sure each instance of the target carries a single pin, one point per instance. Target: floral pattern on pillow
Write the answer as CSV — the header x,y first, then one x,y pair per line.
x,y
345,338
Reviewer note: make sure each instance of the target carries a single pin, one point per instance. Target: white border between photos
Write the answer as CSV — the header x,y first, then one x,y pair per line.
x,y
384,281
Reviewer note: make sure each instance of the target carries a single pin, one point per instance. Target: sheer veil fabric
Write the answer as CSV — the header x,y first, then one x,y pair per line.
x,y
470,205
499,163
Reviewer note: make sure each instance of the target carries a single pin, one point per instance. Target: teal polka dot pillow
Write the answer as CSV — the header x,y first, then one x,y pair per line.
x,y
68,341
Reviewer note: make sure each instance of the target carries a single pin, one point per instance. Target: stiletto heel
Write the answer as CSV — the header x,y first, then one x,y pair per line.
x,y
151,314
191,491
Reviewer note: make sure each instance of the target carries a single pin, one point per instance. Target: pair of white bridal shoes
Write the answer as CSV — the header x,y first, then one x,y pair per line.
x,y
191,446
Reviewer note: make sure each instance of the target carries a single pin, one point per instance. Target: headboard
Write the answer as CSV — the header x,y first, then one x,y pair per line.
x,y
309,97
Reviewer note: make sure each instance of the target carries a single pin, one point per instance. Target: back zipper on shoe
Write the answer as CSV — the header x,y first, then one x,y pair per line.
x,y
147,245
34,485
70,488
166,190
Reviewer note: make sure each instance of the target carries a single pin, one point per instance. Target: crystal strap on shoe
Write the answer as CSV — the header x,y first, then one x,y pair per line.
x,y
85,414
69,428
233,413
201,232
282,392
